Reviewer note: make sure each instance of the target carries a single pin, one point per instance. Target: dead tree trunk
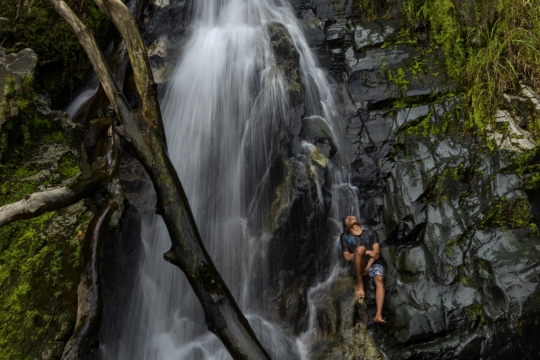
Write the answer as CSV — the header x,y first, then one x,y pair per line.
x,y
89,301
143,129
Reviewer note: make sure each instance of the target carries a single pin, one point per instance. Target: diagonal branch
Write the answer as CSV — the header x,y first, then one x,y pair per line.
x,y
113,92
138,57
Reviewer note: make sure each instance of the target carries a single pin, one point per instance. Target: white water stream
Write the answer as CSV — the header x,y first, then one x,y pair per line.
x,y
223,111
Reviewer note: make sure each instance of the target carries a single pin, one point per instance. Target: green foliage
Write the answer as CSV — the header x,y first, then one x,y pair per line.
x,y
367,9
487,56
371,10
62,63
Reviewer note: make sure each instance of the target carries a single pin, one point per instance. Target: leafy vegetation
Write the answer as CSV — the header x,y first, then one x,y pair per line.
x,y
488,51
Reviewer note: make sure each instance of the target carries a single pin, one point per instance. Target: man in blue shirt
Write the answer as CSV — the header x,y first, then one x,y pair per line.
x,y
361,249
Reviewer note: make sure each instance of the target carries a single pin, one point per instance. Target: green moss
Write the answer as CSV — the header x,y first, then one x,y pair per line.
x,y
282,199
39,268
38,281
68,165
513,213
39,263
399,78
476,314
422,127
418,67
54,137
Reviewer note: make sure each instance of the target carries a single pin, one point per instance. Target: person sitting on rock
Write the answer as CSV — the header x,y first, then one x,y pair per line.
x,y
361,249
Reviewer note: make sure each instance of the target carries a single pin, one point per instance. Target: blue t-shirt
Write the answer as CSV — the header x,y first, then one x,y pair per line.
x,y
349,242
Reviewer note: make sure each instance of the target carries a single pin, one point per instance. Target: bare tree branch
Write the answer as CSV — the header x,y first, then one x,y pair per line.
x,y
144,79
39,203
223,317
117,99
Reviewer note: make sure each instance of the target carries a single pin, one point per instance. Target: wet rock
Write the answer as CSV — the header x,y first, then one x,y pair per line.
x,y
48,158
412,260
337,35
508,135
352,339
448,278
316,130
468,10
293,306
287,60
164,22
120,255
532,96
374,33
425,326
3,23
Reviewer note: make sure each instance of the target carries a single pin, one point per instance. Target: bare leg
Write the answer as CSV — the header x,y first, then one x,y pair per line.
x,y
359,268
379,298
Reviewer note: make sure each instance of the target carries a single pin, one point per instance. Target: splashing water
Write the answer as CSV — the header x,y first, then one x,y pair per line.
x,y
223,112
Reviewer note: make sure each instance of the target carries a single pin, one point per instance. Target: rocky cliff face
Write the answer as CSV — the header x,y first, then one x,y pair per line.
x,y
455,205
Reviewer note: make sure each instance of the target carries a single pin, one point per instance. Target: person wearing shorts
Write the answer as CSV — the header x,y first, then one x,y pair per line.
x,y
361,249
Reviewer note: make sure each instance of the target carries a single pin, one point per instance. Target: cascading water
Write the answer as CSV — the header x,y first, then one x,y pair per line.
x,y
223,111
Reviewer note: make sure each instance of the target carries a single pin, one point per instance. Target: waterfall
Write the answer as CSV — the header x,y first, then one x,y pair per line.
x,y
223,112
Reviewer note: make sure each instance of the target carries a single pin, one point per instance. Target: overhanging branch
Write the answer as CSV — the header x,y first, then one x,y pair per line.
x,y
138,57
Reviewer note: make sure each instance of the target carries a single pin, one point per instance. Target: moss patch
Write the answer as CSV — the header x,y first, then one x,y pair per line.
x,y
40,261
512,213
68,165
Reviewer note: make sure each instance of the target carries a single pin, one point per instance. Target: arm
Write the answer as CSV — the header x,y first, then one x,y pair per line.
x,y
348,256
374,254
360,251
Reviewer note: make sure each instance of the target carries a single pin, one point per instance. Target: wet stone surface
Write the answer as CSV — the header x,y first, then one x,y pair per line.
x,y
463,259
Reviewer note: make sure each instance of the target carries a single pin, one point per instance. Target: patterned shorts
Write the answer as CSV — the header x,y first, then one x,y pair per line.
x,y
374,270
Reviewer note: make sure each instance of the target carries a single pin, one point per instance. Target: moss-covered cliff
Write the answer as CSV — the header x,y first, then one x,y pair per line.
x,y
40,259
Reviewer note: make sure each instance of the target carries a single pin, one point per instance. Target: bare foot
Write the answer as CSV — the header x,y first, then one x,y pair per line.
x,y
379,319
360,292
